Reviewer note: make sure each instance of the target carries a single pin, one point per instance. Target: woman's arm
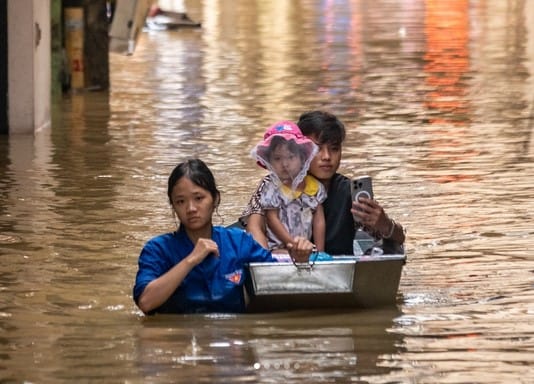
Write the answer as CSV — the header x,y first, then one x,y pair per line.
x,y
159,290
319,228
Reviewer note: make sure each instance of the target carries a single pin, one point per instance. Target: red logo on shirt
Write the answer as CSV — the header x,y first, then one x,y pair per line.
x,y
234,277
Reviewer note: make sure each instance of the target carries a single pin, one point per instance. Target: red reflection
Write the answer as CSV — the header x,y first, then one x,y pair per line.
x,y
447,56
447,61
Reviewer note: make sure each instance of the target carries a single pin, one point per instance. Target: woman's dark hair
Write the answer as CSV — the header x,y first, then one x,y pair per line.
x,y
198,172
326,127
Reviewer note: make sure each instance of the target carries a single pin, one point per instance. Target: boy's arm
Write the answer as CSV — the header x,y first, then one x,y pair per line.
x,y
256,227
253,218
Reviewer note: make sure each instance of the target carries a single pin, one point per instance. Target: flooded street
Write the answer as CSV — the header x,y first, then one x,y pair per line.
x,y
438,101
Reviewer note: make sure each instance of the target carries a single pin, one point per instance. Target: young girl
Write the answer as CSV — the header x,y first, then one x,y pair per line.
x,y
291,199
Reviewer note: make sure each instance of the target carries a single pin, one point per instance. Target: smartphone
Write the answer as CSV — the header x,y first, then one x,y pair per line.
x,y
361,187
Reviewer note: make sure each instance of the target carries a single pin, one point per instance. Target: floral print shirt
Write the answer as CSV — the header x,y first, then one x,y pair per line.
x,y
295,208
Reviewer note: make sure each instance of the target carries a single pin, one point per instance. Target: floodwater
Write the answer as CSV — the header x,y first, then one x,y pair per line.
x,y
438,100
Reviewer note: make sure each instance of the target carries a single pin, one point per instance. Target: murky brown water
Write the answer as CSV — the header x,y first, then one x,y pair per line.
x,y
438,100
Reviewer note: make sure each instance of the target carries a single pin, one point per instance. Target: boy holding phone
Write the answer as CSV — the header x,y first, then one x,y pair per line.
x,y
328,132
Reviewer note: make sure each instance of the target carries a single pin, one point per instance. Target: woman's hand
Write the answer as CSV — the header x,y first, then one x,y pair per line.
x,y
300,249
202,249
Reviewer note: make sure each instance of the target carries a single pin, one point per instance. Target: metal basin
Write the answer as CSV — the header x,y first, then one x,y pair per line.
x,y
346,281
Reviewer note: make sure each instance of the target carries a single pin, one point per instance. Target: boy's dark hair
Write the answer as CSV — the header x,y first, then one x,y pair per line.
x,y
324,126
198,172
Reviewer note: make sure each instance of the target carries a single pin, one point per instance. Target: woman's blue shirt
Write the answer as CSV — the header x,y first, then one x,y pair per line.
x,y
214,285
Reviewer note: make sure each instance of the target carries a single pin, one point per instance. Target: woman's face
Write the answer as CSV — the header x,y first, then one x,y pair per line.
x,y
326,163
194,205
285,163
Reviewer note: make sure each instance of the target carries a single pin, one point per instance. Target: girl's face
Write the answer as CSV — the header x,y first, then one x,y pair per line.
x,y
285,164
194,205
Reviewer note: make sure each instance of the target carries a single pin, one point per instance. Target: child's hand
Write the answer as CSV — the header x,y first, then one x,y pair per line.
x,y
300,249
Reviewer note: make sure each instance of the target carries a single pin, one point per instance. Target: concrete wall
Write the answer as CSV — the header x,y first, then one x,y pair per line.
x,y
29,68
